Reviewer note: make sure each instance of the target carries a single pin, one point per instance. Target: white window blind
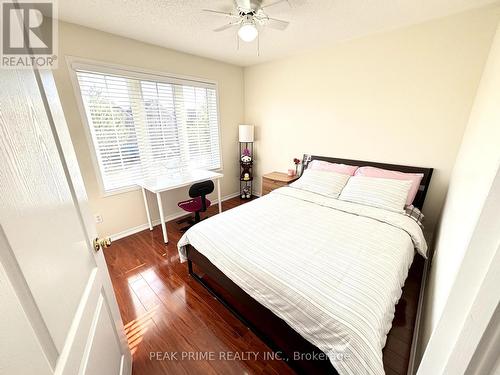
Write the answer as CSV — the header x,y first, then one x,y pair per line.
x,y
146,126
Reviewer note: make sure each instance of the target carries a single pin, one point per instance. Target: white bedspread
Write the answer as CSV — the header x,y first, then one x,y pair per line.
x,y
332,270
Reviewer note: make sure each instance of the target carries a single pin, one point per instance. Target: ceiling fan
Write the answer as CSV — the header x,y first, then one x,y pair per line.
x,y
247,15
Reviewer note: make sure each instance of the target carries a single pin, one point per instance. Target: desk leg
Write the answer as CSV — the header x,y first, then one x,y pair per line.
x,y
147,209
162,218
218,195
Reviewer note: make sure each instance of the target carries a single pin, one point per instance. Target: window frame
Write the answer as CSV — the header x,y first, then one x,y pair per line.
x,y
77,63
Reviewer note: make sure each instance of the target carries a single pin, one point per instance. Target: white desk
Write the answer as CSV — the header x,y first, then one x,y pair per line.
x,y
174,180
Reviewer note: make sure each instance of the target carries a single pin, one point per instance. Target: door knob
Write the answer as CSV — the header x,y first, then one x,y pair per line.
x,y
101,243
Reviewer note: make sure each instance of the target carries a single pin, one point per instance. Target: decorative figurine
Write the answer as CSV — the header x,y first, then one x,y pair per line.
x,y
246,164
245,159
297,163
245,175
246,193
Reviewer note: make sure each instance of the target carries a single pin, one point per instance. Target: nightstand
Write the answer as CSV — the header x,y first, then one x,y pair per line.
x,y
275,180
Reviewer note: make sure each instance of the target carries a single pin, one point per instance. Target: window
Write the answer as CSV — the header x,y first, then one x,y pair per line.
x,y
143,125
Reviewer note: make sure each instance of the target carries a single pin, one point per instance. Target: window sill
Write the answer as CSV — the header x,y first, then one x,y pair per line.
x,y
110,193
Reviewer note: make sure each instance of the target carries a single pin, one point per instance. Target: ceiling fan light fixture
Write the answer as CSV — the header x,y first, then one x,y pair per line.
x,y
248,32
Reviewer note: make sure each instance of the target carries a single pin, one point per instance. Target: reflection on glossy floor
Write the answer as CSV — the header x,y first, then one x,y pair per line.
x,y
165,311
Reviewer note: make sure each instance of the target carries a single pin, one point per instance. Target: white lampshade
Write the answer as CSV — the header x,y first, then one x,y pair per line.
x,y
246,133
248,32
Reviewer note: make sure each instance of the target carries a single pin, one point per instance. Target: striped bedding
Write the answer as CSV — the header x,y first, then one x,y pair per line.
x,y
384,193
333,270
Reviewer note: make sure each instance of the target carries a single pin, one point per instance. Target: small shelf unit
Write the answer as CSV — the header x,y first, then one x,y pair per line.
x,y
246,170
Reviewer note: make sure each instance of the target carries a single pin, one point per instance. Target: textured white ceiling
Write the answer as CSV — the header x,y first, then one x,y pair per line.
x,y
181,25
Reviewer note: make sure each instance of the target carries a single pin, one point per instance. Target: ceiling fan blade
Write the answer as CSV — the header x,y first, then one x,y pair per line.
x,y
219,13
227,26
273,23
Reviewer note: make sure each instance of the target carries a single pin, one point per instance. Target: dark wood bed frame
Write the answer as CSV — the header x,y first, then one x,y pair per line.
x,y
274,331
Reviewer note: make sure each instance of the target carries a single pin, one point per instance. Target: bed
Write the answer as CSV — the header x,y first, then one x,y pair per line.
x,y
316,278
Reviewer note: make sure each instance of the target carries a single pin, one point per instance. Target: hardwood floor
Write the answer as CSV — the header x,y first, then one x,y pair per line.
x,y
166,311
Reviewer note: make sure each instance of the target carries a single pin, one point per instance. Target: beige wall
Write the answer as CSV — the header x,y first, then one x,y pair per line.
x,y
401,97
458,266
125,211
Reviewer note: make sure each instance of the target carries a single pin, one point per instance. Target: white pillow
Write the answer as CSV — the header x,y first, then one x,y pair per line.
x,y
384,193
321,182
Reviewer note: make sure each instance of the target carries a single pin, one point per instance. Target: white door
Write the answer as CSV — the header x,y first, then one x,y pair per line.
x,y
58,312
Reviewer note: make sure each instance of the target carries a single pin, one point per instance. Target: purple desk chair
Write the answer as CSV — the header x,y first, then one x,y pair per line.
x,y
198,203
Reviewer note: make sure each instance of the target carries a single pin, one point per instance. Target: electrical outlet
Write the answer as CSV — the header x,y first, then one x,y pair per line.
x,y
98,219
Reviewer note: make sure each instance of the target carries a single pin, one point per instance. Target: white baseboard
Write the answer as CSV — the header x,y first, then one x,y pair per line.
x,y
176,215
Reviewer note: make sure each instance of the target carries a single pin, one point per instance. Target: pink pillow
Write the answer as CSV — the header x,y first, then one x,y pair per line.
x,y
415,178
320,165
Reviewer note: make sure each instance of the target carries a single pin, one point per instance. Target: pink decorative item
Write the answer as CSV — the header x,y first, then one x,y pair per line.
x,y
320,165
291,172
415,178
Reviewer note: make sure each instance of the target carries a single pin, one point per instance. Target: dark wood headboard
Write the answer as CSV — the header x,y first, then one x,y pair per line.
x,y
424,184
